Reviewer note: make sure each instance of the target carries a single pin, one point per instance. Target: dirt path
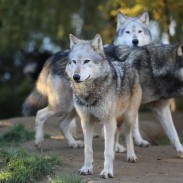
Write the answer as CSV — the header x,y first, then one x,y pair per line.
x,y
157,164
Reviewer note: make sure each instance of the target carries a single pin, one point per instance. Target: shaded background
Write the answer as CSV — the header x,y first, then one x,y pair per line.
x,y
45,25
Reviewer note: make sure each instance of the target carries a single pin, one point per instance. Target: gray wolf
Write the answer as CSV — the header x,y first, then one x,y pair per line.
x,y
40,98
102,92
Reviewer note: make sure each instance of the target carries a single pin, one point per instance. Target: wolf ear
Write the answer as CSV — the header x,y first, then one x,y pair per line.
x,y
121,18
97,43
180,50
144,18
73,40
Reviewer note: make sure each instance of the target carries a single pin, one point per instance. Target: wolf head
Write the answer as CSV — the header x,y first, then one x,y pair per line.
x,y
132,31
86,59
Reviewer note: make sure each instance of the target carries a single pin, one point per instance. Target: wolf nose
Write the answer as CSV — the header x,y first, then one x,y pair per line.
x,y
135,42
76,77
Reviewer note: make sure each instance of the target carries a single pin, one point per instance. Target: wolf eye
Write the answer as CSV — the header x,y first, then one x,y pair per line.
x,y
86,61
128,32
139,31
74,61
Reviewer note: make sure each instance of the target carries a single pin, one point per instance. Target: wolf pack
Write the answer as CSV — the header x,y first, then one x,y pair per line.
x,y
107,84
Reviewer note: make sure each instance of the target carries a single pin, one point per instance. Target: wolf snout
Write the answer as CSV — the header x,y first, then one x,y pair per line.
x,y
135,42
76,77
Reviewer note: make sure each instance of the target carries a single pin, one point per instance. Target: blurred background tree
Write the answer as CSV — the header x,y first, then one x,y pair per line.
x,y
45,25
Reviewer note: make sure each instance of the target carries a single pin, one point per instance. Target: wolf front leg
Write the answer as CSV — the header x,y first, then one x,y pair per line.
x,y
65,123
139,141
41,117
163,113
117,146
88,128
109,133
129,121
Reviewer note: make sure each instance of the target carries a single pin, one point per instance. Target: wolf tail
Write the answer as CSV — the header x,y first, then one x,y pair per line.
x,y
33,103
38,98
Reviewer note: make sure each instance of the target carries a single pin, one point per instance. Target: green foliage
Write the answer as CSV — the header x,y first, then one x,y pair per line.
x,y
166,141
65,178
163,11
17,134
20,166
26,24
122,137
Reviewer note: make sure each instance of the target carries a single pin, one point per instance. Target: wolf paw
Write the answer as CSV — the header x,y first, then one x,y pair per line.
x,y
132,159
142,143
119,148
86,170
76,144
180,154
106,174
39,142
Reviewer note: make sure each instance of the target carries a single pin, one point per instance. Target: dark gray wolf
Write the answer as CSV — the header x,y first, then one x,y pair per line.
x,y
161,76
102,92
40,99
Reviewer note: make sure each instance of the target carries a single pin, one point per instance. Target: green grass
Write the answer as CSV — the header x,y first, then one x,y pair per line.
x,y
17,134
166,141
66,178
122,137
21,166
